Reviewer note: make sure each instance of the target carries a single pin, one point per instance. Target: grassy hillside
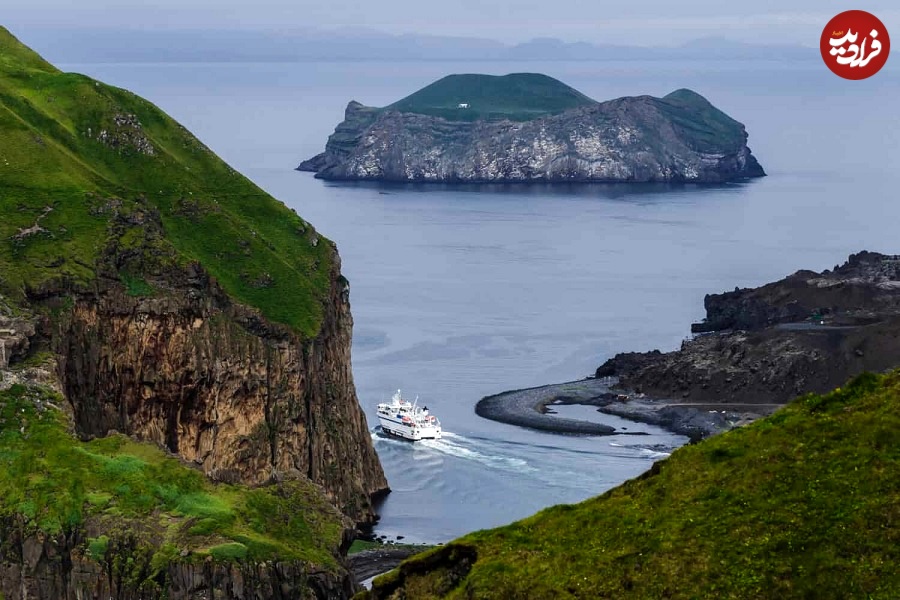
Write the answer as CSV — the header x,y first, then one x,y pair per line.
x,y
709,129
518,96
123,488
75,153
803,504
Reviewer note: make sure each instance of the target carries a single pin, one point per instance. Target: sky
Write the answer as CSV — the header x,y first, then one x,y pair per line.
x,y
640,22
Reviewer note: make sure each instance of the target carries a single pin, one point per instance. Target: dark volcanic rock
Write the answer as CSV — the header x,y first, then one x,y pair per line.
x,y
770,351
528,408
678,138
866,286
626,361
370,563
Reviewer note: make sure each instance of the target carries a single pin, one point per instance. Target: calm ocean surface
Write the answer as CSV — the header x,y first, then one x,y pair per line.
x,y
462,292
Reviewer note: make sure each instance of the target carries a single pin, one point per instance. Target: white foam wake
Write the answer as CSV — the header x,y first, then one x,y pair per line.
x,y
457,446
460,447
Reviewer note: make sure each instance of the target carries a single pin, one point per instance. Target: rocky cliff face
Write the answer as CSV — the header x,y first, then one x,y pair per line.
x,y
212,381
37,566
809,332
679,138
866,286
237,397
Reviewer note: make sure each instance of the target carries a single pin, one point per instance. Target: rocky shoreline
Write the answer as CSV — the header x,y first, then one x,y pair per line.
x,y
529,408
807,333
756,350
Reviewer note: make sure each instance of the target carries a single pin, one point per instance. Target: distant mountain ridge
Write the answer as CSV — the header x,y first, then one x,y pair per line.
x,y
73,46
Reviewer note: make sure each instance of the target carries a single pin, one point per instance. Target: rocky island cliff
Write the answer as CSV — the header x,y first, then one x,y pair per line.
x,y
165,324
527,127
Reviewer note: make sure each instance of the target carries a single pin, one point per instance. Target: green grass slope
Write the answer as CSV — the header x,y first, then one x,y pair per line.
x,y
72,147
120,488
709,129
517,96
803,504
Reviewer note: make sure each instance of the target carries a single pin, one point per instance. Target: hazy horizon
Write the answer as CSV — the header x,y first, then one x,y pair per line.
x,y
640,23
68,45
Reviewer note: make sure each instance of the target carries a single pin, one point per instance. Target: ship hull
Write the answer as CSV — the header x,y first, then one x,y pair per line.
x,y
399,429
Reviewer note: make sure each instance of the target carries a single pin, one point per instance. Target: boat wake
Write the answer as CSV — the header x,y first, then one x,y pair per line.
x,y
457,446
461,447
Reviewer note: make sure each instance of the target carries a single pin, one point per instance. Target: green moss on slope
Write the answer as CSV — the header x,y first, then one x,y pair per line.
x,y
803,504
517,96
72,147
126,488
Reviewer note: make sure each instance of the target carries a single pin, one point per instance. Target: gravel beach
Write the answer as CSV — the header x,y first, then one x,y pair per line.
x,y
527,408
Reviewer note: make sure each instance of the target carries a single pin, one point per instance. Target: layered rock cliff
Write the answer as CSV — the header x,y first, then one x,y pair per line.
x,y
113,518
245,399
678,138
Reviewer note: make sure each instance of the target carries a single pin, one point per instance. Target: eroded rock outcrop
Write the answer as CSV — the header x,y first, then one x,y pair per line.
x,y
861,290
809,332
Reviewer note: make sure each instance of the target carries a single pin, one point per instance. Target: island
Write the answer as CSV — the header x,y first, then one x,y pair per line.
x,y
528,127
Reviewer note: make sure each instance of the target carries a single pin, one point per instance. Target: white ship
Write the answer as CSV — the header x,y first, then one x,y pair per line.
x,y
408,420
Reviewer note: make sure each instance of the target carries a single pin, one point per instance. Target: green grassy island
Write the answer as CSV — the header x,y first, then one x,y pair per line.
x,y
473,97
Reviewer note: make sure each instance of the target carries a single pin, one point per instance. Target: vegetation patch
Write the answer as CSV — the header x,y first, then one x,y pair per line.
x,y
470,97
78,158
705,127
803,504
136,285
137,493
